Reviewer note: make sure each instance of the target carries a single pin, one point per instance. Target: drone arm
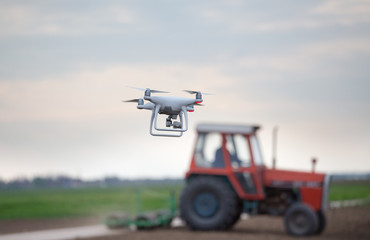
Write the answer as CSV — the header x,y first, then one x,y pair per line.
x,y
147,106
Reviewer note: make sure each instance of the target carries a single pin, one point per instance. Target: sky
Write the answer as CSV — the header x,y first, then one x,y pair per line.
x,y
303,66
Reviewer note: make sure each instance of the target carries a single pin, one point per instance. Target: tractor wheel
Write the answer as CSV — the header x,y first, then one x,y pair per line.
x,y
322,222
208,203
301,220
239,212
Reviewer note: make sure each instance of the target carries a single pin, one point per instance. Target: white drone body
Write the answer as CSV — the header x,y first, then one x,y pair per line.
x,y
171,106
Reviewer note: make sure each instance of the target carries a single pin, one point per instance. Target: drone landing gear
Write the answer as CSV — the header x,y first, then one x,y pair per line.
x,y
178,127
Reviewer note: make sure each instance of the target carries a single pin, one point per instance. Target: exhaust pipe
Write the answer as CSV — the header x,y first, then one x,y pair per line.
x,y
274,144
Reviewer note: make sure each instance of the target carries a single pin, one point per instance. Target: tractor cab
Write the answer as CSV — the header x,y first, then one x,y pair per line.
x,y
217,150
232,151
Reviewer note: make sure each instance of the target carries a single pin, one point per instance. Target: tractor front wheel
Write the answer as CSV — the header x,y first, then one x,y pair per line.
x,y
301,220
322,222
208,203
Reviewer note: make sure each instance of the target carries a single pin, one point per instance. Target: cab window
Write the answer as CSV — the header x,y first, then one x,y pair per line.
x,y
208,152
238,149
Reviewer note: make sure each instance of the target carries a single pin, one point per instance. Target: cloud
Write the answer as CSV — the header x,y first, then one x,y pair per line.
x,y
342,48
314,84
357,10
243,18
29,19
77,122
93,93
307,57
98,91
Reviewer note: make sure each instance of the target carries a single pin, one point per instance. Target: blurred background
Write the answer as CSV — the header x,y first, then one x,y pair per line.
x,y
65,65
64,70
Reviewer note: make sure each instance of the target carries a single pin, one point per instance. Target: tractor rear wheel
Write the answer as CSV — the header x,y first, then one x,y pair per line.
x,y
301,220
239,212
208,203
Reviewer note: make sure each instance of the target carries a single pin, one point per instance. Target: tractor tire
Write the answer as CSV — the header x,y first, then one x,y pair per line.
x,y
208,203
239,212
301,220
322,222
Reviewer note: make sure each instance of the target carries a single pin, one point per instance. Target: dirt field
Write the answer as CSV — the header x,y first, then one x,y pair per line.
x,y
345,223
17,226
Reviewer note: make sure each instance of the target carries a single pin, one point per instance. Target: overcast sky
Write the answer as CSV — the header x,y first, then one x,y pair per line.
x,y
65,65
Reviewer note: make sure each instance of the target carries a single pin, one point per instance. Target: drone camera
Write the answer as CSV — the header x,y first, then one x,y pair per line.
x,y
174,124
177,124
168,123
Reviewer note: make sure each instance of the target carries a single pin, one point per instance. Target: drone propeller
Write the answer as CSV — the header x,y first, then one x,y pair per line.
x,y
152,91
140,101
195,92
190,91
132,100
199,104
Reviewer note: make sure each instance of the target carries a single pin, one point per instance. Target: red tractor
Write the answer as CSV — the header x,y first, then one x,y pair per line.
x,y
227,177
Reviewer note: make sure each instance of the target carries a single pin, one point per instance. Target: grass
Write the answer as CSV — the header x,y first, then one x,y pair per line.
x,y
81,202
349,190
101,201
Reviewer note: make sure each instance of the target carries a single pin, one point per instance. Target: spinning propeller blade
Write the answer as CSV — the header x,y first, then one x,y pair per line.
x,y
132,100
158,91
190,91
194,92
152,91
141,89
199,104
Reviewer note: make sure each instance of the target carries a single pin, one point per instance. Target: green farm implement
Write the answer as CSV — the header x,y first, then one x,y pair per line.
x,y
144,220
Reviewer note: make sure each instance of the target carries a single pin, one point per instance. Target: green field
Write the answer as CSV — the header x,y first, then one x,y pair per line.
x,y
102,201
83,202
349,190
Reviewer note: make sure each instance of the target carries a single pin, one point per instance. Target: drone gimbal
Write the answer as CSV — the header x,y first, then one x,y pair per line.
x,y
178,127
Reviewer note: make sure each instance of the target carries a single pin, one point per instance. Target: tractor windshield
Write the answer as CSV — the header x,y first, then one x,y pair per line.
x,y
238,150
257,155
209,152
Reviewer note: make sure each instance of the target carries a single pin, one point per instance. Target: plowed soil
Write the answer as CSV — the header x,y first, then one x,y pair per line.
x,y
344,223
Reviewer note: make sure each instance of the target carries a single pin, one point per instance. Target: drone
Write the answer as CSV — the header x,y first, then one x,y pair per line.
x,y
171,106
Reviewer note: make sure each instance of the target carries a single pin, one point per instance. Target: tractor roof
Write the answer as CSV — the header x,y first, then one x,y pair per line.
x,y
227,128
